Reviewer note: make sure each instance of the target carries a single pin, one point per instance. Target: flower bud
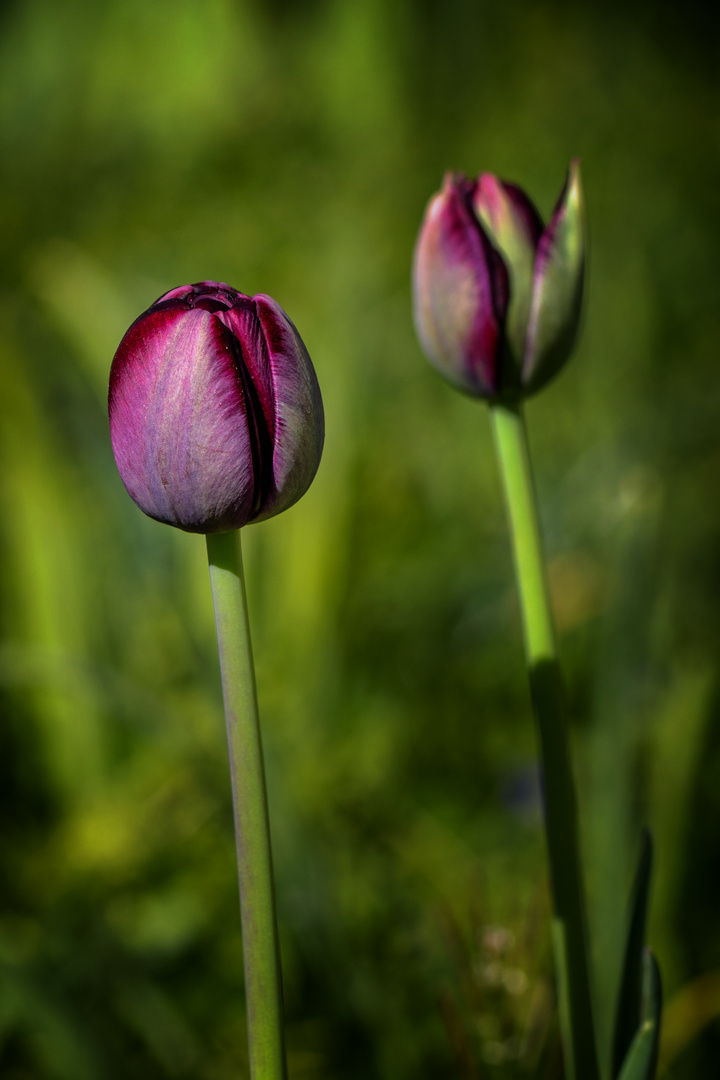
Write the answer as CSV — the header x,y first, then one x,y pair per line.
x,y
497,294
216,417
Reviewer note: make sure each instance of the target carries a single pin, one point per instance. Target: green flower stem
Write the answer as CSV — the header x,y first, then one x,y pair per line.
x,y
263,980
549,703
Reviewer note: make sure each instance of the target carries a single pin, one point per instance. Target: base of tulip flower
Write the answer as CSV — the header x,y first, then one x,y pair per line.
x,y
261,952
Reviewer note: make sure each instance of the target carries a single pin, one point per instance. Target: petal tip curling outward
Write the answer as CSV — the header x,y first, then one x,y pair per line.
x,y
558,283
460,291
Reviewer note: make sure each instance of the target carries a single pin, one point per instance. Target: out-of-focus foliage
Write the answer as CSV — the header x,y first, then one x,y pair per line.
x,y
290,148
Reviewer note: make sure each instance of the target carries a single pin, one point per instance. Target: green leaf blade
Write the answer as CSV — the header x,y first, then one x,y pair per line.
x,y
628,1014
642,1057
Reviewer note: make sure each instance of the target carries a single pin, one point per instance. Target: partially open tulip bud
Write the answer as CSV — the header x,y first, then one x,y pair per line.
x,y
216,417
497,294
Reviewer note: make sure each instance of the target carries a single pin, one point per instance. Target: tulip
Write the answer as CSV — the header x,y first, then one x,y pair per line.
x,y
497,306
216,418
497,294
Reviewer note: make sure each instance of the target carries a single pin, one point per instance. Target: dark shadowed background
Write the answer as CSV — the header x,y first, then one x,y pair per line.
x,y
290,148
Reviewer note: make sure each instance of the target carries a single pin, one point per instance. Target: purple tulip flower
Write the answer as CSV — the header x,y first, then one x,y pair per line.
x,y
497,294
216,417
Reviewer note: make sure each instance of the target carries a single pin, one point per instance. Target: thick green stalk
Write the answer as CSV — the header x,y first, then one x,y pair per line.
x,y
263,980
549,703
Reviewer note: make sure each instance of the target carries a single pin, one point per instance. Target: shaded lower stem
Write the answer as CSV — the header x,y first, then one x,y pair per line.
x,y
549,703
263,980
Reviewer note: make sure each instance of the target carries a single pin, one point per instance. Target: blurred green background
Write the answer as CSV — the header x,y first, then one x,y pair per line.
x,y
290,148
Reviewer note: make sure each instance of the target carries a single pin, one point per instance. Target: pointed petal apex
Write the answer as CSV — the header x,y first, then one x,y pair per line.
x,y
558,280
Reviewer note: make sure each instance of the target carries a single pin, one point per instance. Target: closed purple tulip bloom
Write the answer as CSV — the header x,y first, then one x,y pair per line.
x,y
216,418
497,294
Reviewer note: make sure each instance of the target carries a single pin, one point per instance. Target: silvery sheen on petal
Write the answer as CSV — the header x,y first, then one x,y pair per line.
x,y
216,418
498,296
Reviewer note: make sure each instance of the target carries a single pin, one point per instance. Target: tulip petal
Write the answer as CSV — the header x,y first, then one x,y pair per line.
x,y
210,295
243,322
178,421
460,292
557,287
253,364
297,426
514,227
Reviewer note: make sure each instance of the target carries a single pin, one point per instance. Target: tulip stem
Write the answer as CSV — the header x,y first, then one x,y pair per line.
x,y
261,952
569,930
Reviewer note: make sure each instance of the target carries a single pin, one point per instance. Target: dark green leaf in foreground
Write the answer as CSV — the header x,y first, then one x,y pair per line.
x,y
628,1015
641,1062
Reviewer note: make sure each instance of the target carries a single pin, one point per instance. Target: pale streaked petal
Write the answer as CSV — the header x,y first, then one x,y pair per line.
x,y
178,422
514,226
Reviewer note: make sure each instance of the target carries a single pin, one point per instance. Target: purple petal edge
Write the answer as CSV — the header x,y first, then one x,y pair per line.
x,y
299,422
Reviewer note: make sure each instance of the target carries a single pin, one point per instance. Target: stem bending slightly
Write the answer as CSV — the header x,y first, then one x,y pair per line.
x,y
263,980
549,704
